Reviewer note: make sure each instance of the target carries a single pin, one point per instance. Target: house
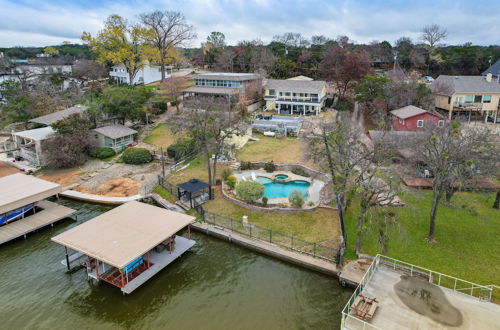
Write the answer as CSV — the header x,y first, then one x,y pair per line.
x,y
30,144
113,136
146,75
296,95
245,88
54,117
467,95
412,118
494,70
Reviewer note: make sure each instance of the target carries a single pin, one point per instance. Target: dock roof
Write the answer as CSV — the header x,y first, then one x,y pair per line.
x,y
125,233
18,190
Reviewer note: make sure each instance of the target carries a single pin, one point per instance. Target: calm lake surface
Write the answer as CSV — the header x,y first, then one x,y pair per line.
x,y
216,285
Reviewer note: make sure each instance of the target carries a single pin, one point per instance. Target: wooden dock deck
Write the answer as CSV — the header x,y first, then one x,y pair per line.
x,y
50,214
160,261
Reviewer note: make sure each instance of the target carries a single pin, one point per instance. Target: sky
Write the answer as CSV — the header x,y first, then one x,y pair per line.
x,y
41,23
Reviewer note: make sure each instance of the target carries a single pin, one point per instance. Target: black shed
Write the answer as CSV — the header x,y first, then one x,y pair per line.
x,y
194,191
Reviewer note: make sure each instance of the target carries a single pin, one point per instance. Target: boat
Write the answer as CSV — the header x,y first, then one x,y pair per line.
x,y
15,214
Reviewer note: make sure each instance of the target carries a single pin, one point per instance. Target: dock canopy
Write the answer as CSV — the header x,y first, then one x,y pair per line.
x,y
19,190
125,233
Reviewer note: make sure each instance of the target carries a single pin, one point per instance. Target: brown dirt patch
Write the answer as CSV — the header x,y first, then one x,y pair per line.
x,y
64,178
119,187
6,169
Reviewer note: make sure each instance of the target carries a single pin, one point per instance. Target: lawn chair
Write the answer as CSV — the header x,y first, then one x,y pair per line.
x,y
364,307
243,178
254,177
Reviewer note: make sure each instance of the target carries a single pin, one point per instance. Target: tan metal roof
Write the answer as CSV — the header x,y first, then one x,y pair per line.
x,y
227,76
212,90
449,85
18,190
125,233
59,115
408,111
299,86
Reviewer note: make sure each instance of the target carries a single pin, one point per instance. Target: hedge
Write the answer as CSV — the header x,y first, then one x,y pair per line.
x,y
181,148
136,156
102,153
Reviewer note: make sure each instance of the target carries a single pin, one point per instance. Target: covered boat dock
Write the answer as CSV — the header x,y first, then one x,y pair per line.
x,y
23,208
127,245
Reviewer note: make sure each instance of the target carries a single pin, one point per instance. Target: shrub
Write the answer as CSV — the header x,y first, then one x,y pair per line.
x,y
173,103
226,171
102,153
299,171
181,148
245,165
136,156
231,181
269,167
311,204
161,106
264,201
218,182
296,199
250,191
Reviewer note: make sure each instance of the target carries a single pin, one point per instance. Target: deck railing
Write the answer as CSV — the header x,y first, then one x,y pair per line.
x,y
482,292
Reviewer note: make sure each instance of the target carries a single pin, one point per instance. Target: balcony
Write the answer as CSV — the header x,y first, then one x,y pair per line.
x,y
299,99
468,106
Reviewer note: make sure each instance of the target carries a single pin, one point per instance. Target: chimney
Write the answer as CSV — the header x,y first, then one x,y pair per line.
x,y
488,77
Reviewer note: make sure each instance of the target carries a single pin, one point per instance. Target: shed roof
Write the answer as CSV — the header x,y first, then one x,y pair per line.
x,y
19,189
302,86
54,117
449,85
193,185
115,131
125,233
227,76
37,134
212,90
410,111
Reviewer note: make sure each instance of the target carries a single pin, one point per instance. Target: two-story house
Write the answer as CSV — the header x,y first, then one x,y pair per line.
x,y
146,75
295,96
233,88
471,96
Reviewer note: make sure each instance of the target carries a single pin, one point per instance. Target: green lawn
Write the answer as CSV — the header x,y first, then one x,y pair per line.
x,y
165,194
467,235
161,136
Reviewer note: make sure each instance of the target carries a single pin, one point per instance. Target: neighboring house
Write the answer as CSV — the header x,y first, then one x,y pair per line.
x,y
54,117
297,95
113,136
412,118
31,144
146,75
245,88
467,95
494,70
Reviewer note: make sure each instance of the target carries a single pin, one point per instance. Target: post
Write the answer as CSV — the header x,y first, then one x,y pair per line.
x,y
67,257
162,162
292,243
189,231
314,250
170,246
270,236
96,268
148,260
123,280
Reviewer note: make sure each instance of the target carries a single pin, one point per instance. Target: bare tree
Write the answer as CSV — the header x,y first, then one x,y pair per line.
x,y
88,70
319,40
174,86
449,152
432,34
225,61
262,61
168,29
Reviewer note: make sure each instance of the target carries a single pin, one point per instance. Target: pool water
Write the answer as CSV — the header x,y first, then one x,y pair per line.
x,y
275,189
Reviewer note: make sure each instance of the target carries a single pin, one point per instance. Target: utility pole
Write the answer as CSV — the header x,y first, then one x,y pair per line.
x,y
162,162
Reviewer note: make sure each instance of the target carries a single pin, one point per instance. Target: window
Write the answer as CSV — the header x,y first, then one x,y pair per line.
x,y
486,98
449,99
469,98
440,123
287,93
478,98
272,92
459,100
401,121
420,123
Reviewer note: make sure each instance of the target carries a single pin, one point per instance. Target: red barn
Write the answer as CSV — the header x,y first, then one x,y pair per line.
x,y
411,118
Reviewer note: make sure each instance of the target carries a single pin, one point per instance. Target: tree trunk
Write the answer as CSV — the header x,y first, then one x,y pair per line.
x,y
162,66
209,169
334,182
131,77
450,191
360,223
496,205
215,168
435,204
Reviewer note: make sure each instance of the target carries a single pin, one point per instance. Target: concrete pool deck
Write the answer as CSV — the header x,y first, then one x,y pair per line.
x,y
314,190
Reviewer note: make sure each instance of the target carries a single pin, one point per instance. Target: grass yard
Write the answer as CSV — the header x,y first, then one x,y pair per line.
x,y
161,136
197,169
164,193
320,226
467,235
279,150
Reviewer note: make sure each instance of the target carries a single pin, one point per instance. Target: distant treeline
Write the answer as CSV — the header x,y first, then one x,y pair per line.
x,y
73,50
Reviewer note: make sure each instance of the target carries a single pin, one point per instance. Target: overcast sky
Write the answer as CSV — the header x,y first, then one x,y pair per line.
x,y
40,23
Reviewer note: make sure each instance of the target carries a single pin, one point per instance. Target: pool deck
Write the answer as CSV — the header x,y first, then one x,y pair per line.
x,y
393,314
314,191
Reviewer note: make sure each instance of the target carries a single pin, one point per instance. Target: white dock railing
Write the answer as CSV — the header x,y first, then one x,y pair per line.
x,y
482,292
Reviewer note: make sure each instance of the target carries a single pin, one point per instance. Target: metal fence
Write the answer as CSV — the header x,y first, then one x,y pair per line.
x,y
271,236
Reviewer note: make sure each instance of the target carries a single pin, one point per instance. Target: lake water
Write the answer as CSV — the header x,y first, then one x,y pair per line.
x,y
216,285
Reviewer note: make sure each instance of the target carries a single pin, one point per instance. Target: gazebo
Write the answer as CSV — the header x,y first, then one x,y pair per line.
x,y
194,192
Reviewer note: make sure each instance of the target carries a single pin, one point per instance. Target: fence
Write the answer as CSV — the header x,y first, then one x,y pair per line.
x,y
271,236
482,292
167,186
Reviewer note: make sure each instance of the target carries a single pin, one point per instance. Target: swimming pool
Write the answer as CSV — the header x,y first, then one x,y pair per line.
x,y
275,189
281,177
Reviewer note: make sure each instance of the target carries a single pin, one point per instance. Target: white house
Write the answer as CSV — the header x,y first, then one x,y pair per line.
x,y
147,75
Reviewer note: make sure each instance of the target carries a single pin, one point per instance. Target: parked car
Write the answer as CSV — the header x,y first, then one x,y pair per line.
x,y
492,119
